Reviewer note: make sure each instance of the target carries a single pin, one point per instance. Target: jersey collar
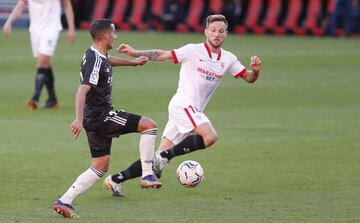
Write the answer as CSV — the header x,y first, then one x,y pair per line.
x,y
209,52
102,55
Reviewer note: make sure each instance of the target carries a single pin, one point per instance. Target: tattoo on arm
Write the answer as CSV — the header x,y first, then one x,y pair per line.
x,y
151,54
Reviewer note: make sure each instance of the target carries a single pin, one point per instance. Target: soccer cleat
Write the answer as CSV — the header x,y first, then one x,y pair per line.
x,y
115,188
159,164
150,181
66,210
50,104
31,104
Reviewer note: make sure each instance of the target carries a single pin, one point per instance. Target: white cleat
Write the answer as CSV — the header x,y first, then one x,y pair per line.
x,y
159,164
115,188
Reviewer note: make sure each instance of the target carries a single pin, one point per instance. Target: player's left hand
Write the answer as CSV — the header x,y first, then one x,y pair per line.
x,y
141,60
71,36
255,63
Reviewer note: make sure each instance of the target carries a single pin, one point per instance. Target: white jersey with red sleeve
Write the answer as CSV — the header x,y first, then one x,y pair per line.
x,y
45,15
201,72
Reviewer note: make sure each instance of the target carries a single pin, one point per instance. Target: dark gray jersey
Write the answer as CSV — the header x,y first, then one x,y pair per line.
x,y
96,71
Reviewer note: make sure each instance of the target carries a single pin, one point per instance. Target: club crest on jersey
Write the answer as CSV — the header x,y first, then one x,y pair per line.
x,y
94,78
222,65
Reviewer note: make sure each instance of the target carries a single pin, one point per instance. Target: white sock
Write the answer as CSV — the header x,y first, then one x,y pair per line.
x,y
82,183
147,147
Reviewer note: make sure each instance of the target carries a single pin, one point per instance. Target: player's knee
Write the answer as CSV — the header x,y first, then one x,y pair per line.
x,y
43,64
146,124
43,61
151,124
101,166
210,139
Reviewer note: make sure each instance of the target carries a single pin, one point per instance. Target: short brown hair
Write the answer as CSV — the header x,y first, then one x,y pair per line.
x,y
98,27
215,18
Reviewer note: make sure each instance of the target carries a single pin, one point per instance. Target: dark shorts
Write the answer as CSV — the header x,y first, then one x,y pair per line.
x,y
102,129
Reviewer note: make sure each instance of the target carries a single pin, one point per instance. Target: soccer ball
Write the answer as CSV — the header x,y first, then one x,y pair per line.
x,y
190,173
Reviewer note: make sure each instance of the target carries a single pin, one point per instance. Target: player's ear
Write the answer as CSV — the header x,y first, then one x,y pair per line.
x,y
106,36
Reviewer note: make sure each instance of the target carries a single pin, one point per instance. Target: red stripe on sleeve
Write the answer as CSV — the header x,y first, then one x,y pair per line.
x,y
191,119
173,54
241,73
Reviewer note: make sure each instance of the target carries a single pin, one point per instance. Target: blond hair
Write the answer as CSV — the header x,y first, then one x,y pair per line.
x,y
215,18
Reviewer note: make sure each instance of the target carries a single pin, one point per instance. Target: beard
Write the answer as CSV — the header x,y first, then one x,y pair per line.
x,y
216,46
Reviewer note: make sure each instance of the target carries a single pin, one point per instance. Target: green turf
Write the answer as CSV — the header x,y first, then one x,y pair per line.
x,y
288,148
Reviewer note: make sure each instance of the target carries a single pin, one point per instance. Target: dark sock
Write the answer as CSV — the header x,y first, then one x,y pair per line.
x,y
49,83
133,171
188,145
39,83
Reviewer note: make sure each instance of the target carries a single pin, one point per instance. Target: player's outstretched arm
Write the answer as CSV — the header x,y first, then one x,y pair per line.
x,y
158,55
15,13
255,65
115,61
69,14
76,125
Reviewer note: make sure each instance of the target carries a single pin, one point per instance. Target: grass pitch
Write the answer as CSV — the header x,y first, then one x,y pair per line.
x,y
288,148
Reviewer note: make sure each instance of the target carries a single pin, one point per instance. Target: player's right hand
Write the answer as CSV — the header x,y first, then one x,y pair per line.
x,y
76,127
71,35
125,49
7,29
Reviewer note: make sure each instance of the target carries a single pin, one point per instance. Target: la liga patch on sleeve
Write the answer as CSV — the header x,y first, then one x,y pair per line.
x,y
94,78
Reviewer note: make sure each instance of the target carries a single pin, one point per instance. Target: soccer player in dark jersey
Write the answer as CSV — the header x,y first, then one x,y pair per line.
x,y
101,122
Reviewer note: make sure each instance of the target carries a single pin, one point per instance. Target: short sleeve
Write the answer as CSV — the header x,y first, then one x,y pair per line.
x,y
182,54
237,69
90,71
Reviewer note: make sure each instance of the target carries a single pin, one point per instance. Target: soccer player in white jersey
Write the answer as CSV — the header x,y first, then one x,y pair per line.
x,y
203,66
45,27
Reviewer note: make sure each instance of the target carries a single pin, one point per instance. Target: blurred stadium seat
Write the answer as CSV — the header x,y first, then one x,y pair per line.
x,y
279,17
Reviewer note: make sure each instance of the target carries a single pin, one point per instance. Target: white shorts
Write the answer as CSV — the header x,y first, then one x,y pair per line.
x,y
44,43
182,121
